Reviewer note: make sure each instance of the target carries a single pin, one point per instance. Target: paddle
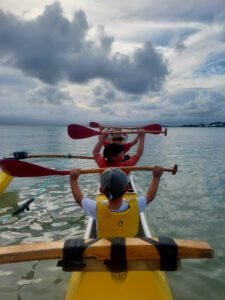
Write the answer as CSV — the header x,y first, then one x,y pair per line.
x,y
80,132
19,168
155,127
25,155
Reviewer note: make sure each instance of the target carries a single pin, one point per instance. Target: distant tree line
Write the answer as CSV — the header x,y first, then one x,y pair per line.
x,y
213,124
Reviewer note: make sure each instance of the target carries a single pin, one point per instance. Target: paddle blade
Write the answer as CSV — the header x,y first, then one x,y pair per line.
x,y
153,127
80,132
94,125
19,168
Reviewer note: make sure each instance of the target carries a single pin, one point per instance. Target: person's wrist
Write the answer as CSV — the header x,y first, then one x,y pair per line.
x,y
73,179
156,177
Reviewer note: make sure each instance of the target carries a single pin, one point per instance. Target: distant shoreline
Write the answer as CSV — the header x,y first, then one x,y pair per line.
x,y
202,125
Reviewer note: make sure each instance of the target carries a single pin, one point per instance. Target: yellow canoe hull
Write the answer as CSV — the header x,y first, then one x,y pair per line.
x,y
141,285
5,180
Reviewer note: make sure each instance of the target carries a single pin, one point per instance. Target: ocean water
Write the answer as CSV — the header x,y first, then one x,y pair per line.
x,y
189,205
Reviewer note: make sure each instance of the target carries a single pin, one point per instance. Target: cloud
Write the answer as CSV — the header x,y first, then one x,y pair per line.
x,y
173,10
222,37
213,64
39,47
56,68
172,36
184,106
54,49
49,95
145,71
195,105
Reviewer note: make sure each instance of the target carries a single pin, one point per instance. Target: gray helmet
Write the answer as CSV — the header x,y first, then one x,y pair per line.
x,y
113,183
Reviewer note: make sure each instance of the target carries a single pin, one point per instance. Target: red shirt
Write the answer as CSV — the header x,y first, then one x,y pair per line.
x,y
102,163
127,146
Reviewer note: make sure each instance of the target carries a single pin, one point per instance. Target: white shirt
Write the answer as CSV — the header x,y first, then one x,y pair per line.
x,y
89,206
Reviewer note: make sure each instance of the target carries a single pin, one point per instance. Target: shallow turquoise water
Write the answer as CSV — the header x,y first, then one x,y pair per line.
x,y
189,205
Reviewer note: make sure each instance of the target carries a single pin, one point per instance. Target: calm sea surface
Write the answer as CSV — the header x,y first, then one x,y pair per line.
x,y
189,205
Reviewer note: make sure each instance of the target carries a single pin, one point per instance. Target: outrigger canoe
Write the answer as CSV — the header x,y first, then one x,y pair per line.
x,y
115,286
5,180
98,268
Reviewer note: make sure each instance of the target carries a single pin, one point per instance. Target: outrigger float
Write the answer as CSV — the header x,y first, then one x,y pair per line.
x,y
119,267
5,180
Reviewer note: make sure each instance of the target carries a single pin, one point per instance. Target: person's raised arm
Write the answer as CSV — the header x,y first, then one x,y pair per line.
x,y
99,144
153,187
140,146
77,194
134,142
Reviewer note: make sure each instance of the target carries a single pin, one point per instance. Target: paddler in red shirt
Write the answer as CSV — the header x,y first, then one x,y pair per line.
x,y
114,154
120,138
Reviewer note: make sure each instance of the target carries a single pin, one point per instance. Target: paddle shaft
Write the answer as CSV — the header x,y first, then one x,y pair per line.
x,y
132,168
25,155
136,131
97,125
59,156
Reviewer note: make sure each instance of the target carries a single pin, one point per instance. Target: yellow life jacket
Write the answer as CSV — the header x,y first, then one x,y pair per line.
x,y
112,224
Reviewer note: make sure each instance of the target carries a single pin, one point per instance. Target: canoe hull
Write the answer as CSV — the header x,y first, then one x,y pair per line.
x,y
142,285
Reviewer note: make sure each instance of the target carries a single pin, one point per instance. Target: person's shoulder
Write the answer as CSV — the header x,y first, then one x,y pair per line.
x,y
141,199
127,146
142,203
87,202
89,207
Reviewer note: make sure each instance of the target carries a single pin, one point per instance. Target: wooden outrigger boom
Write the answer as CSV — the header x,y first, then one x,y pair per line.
x,y
140,251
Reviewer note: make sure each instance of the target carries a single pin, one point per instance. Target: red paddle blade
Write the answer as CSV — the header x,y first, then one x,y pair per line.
x,y
80,132
94,125
153,127
19,168
156,127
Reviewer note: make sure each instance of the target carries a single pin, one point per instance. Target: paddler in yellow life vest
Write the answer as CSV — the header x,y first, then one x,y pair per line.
x,y
115,216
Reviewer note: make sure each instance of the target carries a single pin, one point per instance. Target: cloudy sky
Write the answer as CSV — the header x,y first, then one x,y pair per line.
x,y
77,61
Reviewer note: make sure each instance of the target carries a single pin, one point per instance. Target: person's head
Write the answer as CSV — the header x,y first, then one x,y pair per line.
x,y
114,183
114,152
119,137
